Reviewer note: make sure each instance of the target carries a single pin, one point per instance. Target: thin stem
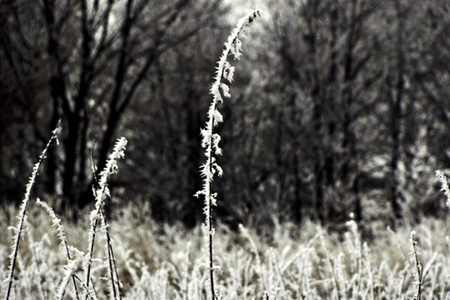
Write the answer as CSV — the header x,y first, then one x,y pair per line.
x,y
100,196
23,210
419,268
210,139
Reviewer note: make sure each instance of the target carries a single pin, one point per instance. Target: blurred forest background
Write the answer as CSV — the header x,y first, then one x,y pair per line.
x,y
338,107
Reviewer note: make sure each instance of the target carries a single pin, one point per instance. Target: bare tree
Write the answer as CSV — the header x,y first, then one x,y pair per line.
x,y
95,56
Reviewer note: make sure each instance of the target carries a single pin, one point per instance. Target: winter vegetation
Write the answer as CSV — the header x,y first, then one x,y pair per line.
x,y
156,261
329,137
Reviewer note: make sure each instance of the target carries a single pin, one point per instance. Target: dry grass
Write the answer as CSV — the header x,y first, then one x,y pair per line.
x,y
161,262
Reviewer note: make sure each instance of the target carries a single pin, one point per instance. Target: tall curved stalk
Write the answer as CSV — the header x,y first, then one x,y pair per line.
x,y
210,140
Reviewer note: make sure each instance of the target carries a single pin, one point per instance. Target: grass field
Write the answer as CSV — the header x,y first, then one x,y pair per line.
x,y
161,262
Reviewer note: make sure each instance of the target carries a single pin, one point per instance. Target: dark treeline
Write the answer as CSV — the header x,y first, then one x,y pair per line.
x,y
337,107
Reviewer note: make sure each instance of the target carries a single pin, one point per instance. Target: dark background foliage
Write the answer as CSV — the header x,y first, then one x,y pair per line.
x,y
337,107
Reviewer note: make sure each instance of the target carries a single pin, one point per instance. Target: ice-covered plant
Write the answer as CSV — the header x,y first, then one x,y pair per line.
x,y
97,216
419,268
23,209
69,273
210,140
444,184
64,246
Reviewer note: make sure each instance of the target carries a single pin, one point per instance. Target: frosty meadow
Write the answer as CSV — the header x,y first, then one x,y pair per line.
x,y
133,257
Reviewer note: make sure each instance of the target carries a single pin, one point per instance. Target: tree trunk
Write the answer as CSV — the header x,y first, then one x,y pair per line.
x,y
396,114
193,215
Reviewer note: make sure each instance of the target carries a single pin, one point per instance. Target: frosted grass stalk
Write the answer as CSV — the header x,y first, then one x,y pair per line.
x,y
23,210
418,265
210,140
444,184
63,241
100,195
69,273
112,265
